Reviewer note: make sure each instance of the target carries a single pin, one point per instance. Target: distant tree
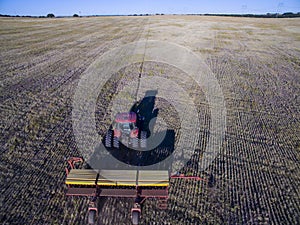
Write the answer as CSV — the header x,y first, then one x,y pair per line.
x,y
50,15
288,14
75,15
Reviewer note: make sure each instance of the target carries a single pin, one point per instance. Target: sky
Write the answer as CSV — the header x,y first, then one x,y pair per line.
x,y
126,7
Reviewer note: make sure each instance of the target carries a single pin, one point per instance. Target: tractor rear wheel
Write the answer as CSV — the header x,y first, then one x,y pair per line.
x,y
108,139
143,140
116,142
92,216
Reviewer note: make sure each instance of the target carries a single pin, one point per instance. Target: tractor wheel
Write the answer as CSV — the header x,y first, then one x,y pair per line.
x,y
143,140
135,217
92,216
116,142
108,139
135,143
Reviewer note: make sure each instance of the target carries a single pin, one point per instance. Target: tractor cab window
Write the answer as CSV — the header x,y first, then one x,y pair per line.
x,y
126,126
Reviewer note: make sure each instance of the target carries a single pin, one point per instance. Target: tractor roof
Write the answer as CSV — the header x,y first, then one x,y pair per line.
x,y
128,117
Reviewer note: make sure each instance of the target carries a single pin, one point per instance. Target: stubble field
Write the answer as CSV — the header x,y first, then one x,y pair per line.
x,y
257,64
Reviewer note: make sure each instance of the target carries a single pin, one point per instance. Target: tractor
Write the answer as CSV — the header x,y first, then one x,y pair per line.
x,y
127,129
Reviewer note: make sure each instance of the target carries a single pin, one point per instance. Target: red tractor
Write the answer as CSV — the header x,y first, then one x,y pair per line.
x,y
126,129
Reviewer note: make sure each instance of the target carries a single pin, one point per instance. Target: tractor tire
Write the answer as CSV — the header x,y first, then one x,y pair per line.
x,y
135,143
135,216
116,142
143,140
108,139
92,217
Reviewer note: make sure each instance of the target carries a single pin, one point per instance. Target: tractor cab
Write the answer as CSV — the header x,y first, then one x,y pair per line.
x,y
125,125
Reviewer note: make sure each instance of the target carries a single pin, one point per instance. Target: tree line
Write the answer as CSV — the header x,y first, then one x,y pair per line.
x,y
268,15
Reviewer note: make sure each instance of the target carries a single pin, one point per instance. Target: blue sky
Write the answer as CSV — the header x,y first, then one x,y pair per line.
x,y
116,7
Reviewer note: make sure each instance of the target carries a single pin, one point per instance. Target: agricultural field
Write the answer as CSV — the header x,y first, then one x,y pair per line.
x,y
255,177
